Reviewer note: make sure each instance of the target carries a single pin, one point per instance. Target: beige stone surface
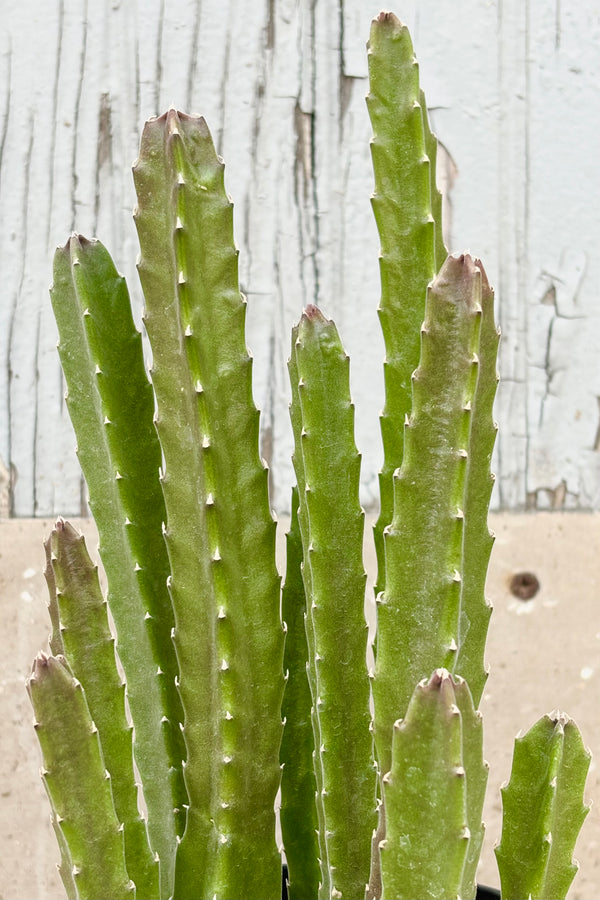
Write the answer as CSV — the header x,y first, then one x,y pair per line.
x,y
543,653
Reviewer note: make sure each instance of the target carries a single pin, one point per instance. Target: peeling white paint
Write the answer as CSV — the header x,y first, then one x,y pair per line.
x,y
515,102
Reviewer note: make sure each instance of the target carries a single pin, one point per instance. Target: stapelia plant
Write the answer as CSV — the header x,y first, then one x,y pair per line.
x,y
387,802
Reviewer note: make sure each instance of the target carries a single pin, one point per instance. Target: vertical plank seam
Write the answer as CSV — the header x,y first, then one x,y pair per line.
x,y
15,302
191,75
224,81
52,154
82,61
158,63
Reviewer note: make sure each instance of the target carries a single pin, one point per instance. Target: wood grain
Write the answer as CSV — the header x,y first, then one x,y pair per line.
x,y
512,89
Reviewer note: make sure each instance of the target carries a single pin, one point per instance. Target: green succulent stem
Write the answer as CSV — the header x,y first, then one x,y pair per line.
x,y
111,405
89,648
477,540
91,838
407,209
433,794
55,638
419,611
299,822
543,810
219,529
331,526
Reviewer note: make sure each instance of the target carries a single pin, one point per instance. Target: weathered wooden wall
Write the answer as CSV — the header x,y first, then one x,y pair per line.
x,y
514,91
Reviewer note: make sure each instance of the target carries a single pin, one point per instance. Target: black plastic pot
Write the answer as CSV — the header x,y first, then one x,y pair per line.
x,y
483,892
487,893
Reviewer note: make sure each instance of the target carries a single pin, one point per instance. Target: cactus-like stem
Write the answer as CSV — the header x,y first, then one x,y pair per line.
x,y
431,149
543,810
65,867
220,533
407,210
89,649
419,611
298,461
298,786
55,640
430,803
475,612
111,405
476,773
332,524
78,784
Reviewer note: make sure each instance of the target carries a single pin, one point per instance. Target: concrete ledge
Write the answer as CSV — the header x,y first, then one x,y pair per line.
x,y
544,653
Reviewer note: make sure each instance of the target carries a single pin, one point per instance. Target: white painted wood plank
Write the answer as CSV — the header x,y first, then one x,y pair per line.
x,y
564,182
513,93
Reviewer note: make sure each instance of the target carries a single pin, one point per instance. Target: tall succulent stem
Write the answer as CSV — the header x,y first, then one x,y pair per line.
x,y
407,210
477,541
111,405
419,611
219,530
331,524
299,825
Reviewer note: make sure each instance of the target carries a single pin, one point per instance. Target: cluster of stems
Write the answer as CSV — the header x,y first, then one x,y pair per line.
x,y
223,687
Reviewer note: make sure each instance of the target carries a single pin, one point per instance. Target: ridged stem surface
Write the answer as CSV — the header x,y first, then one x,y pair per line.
x,y
111,405
426,793
77,783
475,611
407,211
220,533
55,638
298,461
419,611
332,524
89,648
298,786
543,810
